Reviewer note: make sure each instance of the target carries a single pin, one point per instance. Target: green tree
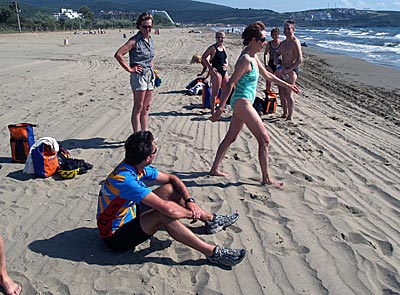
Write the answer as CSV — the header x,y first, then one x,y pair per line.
x,y
86,13
161,21
44,22
5,13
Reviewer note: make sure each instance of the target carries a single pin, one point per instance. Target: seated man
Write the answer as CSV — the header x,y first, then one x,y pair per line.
x,y
129,213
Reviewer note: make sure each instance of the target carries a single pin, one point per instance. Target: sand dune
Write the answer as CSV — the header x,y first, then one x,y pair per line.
x,y
332,229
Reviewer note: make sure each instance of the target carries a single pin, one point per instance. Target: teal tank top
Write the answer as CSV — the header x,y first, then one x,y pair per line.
x,y
246,86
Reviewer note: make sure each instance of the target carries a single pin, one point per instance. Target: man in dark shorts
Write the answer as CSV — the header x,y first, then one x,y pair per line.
x,y
129,213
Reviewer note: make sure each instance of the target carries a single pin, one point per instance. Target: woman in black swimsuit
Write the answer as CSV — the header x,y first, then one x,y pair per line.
x,y
270,50
216,59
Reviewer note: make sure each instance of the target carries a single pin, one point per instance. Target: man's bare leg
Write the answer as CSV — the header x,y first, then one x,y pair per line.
x,y
167,192
290,97
282,96
151,221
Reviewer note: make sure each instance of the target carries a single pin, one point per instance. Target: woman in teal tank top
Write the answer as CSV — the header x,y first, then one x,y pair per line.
x,y
246,86
244,79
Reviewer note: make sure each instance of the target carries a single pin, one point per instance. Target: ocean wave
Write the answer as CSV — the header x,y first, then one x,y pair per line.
x,y
355,47
392,44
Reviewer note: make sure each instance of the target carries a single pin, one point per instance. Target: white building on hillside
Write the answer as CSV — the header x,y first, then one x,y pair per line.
x,y
162,13
67,14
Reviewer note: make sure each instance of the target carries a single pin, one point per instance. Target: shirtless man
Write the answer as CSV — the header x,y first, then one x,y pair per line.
x,y
290,50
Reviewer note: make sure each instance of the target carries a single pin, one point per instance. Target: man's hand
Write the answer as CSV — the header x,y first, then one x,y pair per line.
x,y
295,89
196,213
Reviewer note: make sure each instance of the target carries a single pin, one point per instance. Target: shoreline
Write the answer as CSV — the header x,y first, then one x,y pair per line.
x,y
337,212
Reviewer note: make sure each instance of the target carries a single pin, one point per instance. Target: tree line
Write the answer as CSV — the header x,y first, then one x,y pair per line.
x,y
42,21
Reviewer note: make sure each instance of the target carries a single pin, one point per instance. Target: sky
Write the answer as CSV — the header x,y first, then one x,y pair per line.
x,y
301,5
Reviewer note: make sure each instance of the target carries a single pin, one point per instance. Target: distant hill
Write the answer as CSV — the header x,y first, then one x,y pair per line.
x,y
196,12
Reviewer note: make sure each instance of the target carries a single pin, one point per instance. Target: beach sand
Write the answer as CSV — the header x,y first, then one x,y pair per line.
x,y
332,229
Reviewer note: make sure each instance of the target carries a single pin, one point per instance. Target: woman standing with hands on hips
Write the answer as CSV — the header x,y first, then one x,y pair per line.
x,y
244,79
216,59
141,68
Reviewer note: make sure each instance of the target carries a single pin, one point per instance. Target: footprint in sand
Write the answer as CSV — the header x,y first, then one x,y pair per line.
x,y
356,238
353,211
305,176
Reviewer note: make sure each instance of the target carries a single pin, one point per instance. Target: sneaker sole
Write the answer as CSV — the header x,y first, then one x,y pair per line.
x,y
221,227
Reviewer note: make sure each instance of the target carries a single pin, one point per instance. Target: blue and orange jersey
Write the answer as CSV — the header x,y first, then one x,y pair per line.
x,y
119,195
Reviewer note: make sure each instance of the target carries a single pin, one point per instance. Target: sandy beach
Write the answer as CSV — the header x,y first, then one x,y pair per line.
x,y
332,229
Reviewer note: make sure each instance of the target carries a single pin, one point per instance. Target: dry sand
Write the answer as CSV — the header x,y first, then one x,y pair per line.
x,y
333,229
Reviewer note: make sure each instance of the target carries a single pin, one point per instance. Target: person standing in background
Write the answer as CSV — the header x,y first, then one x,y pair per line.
x,y
270,50
216,59
141,67
292,57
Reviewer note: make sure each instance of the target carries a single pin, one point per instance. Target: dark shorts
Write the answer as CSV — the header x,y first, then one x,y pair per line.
x,y
127,237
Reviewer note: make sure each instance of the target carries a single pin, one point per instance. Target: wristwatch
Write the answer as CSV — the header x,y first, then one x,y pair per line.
x,y
190,200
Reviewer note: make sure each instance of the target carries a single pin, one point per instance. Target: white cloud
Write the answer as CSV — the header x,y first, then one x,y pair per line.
x,y
347,3
380,5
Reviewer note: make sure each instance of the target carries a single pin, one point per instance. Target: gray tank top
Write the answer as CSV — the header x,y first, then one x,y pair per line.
x,y
143,54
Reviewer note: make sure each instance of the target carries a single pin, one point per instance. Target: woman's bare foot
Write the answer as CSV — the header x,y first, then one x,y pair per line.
x,y
10,287
219,173
274,183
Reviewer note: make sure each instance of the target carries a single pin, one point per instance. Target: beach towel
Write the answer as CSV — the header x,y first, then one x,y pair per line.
x,y
196,89
194,82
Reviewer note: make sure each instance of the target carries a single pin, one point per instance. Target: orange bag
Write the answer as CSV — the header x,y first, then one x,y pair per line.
x,y
45,161
21,140
270,106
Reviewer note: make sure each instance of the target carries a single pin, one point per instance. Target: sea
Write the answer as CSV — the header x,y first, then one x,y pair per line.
x,y
376,45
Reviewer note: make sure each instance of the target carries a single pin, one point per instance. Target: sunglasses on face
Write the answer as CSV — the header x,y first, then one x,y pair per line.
x,y
155,151
262,39
146,27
